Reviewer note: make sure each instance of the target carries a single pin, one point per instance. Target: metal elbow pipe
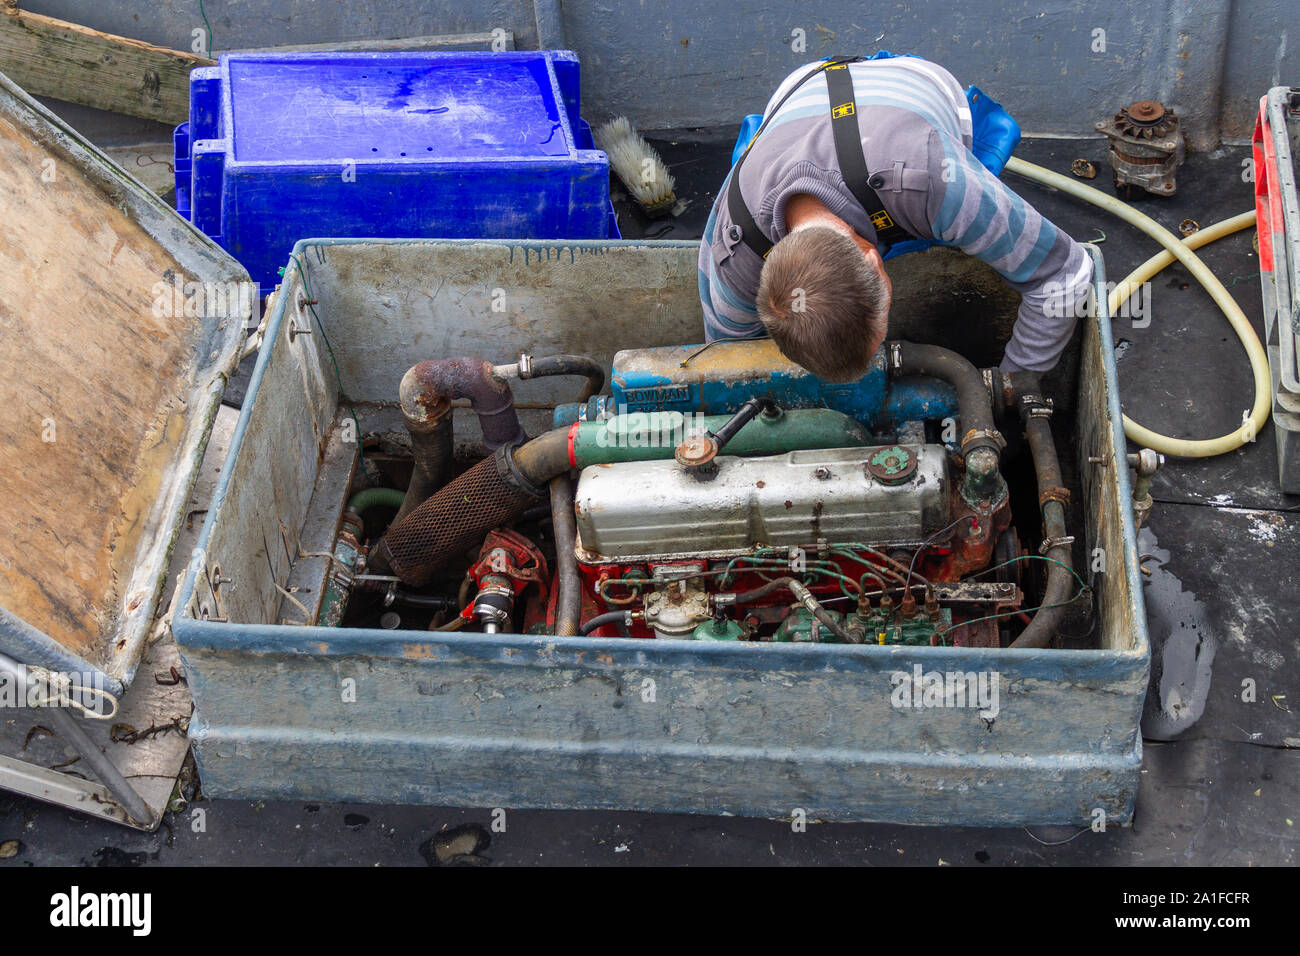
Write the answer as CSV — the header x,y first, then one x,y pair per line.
x,y
981,443
426,393
428,388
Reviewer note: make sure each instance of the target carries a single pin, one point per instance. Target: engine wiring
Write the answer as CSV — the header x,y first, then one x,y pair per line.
x,y
931,540
764,562
1084,588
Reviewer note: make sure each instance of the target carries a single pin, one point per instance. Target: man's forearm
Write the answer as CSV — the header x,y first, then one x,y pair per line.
x,y
1046,321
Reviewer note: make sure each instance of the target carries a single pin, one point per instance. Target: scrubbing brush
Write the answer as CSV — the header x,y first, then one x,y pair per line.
x,y
637,166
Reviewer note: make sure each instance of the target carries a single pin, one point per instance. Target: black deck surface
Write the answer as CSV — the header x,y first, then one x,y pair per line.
x,y
1226,546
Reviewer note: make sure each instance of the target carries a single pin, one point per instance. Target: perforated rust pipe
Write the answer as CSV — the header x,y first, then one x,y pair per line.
x,y
490,495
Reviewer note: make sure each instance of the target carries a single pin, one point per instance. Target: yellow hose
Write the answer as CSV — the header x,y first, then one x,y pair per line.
x,y
1182,251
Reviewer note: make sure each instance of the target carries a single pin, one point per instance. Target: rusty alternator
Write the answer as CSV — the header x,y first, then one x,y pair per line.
x,y
1146,148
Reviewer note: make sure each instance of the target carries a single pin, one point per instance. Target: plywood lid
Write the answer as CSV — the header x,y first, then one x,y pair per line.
x,y
119,325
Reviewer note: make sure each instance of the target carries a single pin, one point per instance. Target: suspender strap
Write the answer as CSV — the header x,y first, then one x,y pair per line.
x,y
741,218
853,163
848,152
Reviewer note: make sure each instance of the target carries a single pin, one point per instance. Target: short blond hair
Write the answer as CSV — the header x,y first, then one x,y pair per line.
x,y
823,303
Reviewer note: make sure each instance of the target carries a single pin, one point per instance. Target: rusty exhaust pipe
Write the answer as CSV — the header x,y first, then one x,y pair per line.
x,y
426,393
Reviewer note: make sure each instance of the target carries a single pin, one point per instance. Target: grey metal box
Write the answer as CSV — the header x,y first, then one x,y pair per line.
x,y
566,722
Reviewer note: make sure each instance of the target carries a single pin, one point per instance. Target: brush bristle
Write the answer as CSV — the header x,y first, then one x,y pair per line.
x,y
637,165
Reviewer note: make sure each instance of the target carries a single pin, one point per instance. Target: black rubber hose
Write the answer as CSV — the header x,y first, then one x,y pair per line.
x,y
1046,623
744,415
758,593
541,459
974,403
568,598
981,444
431,454
538,513
571,365
600,620
432,602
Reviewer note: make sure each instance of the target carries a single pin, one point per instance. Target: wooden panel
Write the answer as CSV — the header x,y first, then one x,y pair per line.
x,y
86,362
70,62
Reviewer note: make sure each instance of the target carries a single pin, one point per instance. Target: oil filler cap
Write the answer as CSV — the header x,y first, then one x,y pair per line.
x,y
891,464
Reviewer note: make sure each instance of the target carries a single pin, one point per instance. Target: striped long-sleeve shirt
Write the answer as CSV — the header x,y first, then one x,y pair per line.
x,y
915,124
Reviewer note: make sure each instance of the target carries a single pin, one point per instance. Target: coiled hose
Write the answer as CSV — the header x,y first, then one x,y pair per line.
x,y
1182,251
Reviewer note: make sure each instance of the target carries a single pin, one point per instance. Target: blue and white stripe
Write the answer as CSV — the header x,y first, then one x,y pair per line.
x,y
916,130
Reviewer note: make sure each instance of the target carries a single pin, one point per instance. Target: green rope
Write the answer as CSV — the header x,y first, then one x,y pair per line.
x,y
1083,585
204,15
1084,588
1024,610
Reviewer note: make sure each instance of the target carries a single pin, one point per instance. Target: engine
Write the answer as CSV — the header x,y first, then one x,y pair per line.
x,y
725,494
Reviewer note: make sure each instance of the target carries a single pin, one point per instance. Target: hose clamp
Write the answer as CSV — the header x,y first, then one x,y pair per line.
x,y
1054,493
976,434
521,370
1050,543
1036,406
896,356
510,474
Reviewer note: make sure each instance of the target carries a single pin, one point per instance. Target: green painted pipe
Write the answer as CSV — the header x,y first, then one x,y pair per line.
x,y
652,436
369,498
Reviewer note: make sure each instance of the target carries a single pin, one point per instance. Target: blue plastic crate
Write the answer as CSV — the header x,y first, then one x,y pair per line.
x,y
280,146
